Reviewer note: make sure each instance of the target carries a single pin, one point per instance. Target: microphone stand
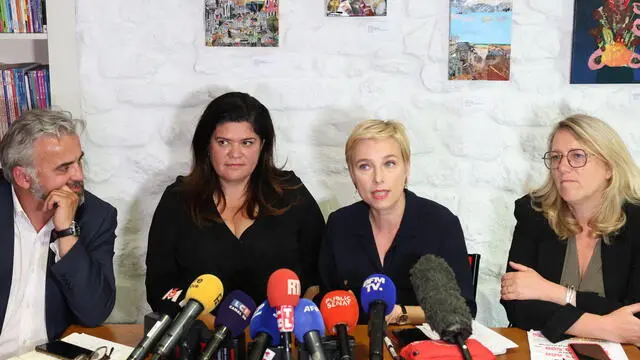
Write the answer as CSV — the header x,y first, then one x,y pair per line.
x,y
285,337
377,329
343,342
260,344
463,347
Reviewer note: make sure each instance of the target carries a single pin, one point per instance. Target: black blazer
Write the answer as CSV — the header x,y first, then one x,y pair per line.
x,y
349,253
537,246
80,288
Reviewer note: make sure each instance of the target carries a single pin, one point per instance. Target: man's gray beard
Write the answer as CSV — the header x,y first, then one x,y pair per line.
x,y
38,192
36,189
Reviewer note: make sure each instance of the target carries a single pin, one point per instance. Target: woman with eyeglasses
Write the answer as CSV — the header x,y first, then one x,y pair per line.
x,y
574,263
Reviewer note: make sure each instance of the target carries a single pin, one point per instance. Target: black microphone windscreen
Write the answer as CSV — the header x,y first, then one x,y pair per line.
x,y
438,294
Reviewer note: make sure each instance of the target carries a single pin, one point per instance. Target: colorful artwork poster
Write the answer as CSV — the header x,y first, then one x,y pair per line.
x,y
241,23
480,39
606,42
356,7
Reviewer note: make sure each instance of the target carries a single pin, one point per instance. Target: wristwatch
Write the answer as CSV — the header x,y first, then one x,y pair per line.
x,y
74,230
403,319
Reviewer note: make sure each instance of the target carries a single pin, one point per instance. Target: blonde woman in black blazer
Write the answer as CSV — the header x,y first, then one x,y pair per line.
x,y
591,200
391,228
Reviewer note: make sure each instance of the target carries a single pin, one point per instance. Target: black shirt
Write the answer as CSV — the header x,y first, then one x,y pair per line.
x,y
179,251
349,253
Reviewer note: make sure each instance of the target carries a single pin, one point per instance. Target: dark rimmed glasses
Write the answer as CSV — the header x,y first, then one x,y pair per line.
x,y
101,353
576,158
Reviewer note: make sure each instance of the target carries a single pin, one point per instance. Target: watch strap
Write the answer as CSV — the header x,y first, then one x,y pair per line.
x,y
404,318
71,230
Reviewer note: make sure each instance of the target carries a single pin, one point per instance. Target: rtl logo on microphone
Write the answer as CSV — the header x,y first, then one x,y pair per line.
x,y
374,284
293,287
335,301
285,318
240,309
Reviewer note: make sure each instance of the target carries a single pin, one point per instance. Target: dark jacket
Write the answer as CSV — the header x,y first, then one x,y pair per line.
x,y
349,253
80,288
537,246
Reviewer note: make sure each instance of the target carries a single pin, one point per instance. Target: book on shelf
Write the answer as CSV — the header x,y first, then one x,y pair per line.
x,y
23,87
23,16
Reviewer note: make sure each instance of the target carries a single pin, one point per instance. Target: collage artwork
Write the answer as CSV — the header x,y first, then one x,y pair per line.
x,y
606,34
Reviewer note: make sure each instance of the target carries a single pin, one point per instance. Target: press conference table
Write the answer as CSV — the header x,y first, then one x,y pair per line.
x,y
130,334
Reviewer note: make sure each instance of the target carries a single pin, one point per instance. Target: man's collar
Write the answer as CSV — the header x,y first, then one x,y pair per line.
x,y
17,206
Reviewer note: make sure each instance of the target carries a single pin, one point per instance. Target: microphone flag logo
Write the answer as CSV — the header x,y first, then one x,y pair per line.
x,y
285,318
374,284
240,309
172,294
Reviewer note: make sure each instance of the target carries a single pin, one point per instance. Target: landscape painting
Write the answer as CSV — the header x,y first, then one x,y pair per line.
x,y
356,7
606,42
480,39
241,23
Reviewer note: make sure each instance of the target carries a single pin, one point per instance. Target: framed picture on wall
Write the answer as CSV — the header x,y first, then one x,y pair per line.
x,y
480,39
356,7
241,23
606,42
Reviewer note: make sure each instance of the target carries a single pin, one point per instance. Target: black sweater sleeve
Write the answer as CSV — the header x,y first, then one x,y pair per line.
x,y
163,273
327,262
310,237
454,251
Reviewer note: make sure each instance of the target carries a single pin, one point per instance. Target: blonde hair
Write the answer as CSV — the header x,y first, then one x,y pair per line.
x,y
378,129
600,139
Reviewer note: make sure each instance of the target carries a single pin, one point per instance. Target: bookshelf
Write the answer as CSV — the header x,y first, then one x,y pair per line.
x,y
57,47
23,36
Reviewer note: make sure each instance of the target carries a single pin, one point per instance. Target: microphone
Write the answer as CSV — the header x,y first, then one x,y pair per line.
x,y
232,318
150,338
283,293
263,329
309,328
378,297
438,294
340,312
189,344
169,307
203,295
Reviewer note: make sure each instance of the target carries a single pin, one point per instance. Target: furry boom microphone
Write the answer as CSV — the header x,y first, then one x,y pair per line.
x,y
439,296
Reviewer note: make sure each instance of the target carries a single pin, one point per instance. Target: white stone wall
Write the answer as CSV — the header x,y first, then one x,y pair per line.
x,y
476,146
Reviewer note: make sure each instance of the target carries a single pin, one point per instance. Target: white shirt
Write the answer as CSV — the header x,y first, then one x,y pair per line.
x,y
24,322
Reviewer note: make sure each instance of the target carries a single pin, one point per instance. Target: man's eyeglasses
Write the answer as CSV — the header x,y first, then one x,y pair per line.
x,y
101,353
576,158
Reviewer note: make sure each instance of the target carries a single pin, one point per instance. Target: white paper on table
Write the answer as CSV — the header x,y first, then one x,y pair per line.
x,y
120,352
32,355
541,348
495,342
